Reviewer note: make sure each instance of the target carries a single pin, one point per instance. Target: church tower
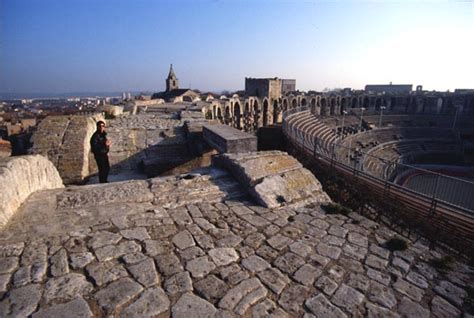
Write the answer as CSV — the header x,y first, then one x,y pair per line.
x,y
171,81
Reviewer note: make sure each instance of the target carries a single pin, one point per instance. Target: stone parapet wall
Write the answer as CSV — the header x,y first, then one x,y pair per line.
x,y
64,140
20,176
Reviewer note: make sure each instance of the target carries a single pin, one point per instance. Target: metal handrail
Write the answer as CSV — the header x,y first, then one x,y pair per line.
x,y
301,138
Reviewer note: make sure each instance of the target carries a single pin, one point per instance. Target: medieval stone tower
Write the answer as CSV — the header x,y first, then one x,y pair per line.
x,y
171,81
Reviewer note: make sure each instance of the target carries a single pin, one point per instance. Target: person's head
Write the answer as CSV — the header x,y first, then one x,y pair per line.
x,y
101,126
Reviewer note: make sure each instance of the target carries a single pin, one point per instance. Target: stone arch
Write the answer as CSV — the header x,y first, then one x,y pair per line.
x,y
378,103
285,104
219,114
265,112
227,115
237,116
324,106
366,102
343,104
354,103
303,102
256,114
313,102
332,110
294,103
276,112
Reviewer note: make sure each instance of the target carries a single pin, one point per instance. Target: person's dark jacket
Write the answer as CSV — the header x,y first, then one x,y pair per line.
x,y
98,145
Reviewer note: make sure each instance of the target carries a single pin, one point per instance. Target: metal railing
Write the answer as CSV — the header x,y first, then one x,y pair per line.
x,y
432,187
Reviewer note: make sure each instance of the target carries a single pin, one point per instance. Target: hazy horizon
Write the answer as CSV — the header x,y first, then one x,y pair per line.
x,y
58,47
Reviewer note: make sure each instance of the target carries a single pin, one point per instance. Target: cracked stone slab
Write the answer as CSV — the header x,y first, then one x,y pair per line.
x,y
348,298
103,238
190,305
327,285
66,287
451,292
8,264
200,267
293,297
75,308
306,274
243,295
382,295
168,264
211,288
183,240
152,302
59,263
409,308
322,307
255,264
110,252
21,302
223,256
274,279
289,262
408,289
138,233
145,273
442,308
179,283
80,260
117,294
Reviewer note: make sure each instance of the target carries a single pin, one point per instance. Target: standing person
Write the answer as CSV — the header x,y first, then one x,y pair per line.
x,y
100,146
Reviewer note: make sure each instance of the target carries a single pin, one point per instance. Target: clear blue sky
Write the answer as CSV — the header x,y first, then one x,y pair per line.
x,y
127,45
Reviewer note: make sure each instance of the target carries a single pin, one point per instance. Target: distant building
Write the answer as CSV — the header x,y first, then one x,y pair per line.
x,y
389,88
172,82
173,93
269,87
287,86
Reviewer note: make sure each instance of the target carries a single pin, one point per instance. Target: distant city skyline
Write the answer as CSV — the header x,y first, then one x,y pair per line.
x,y
54,47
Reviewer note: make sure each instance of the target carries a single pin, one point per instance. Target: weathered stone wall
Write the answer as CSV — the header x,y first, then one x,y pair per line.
x,y
64,140
136,138
20,176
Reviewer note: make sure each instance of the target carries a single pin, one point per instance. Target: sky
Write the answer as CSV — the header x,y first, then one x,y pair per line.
x,y
59,46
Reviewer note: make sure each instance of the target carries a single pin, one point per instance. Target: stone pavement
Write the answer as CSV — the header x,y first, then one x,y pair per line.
x,y
158,248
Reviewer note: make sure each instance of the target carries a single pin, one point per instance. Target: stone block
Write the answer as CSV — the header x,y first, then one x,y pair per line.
x,y
226,139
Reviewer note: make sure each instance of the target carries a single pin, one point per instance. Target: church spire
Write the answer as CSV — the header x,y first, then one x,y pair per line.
x,y
171,73
171,81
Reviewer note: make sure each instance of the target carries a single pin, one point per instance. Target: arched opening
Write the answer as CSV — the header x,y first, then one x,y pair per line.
x,y
246,116
285,105
237,116
219,114
256,115
303,102
324,107
343,105
378,103
366,102
276,112
354,103
293,103
313,102
333,106
227,115
265,113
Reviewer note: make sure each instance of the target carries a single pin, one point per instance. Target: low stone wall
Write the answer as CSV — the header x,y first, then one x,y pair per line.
x,y
64,140
20,176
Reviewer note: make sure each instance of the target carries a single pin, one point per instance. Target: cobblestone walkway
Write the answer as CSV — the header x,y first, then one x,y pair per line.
x,y
215,259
